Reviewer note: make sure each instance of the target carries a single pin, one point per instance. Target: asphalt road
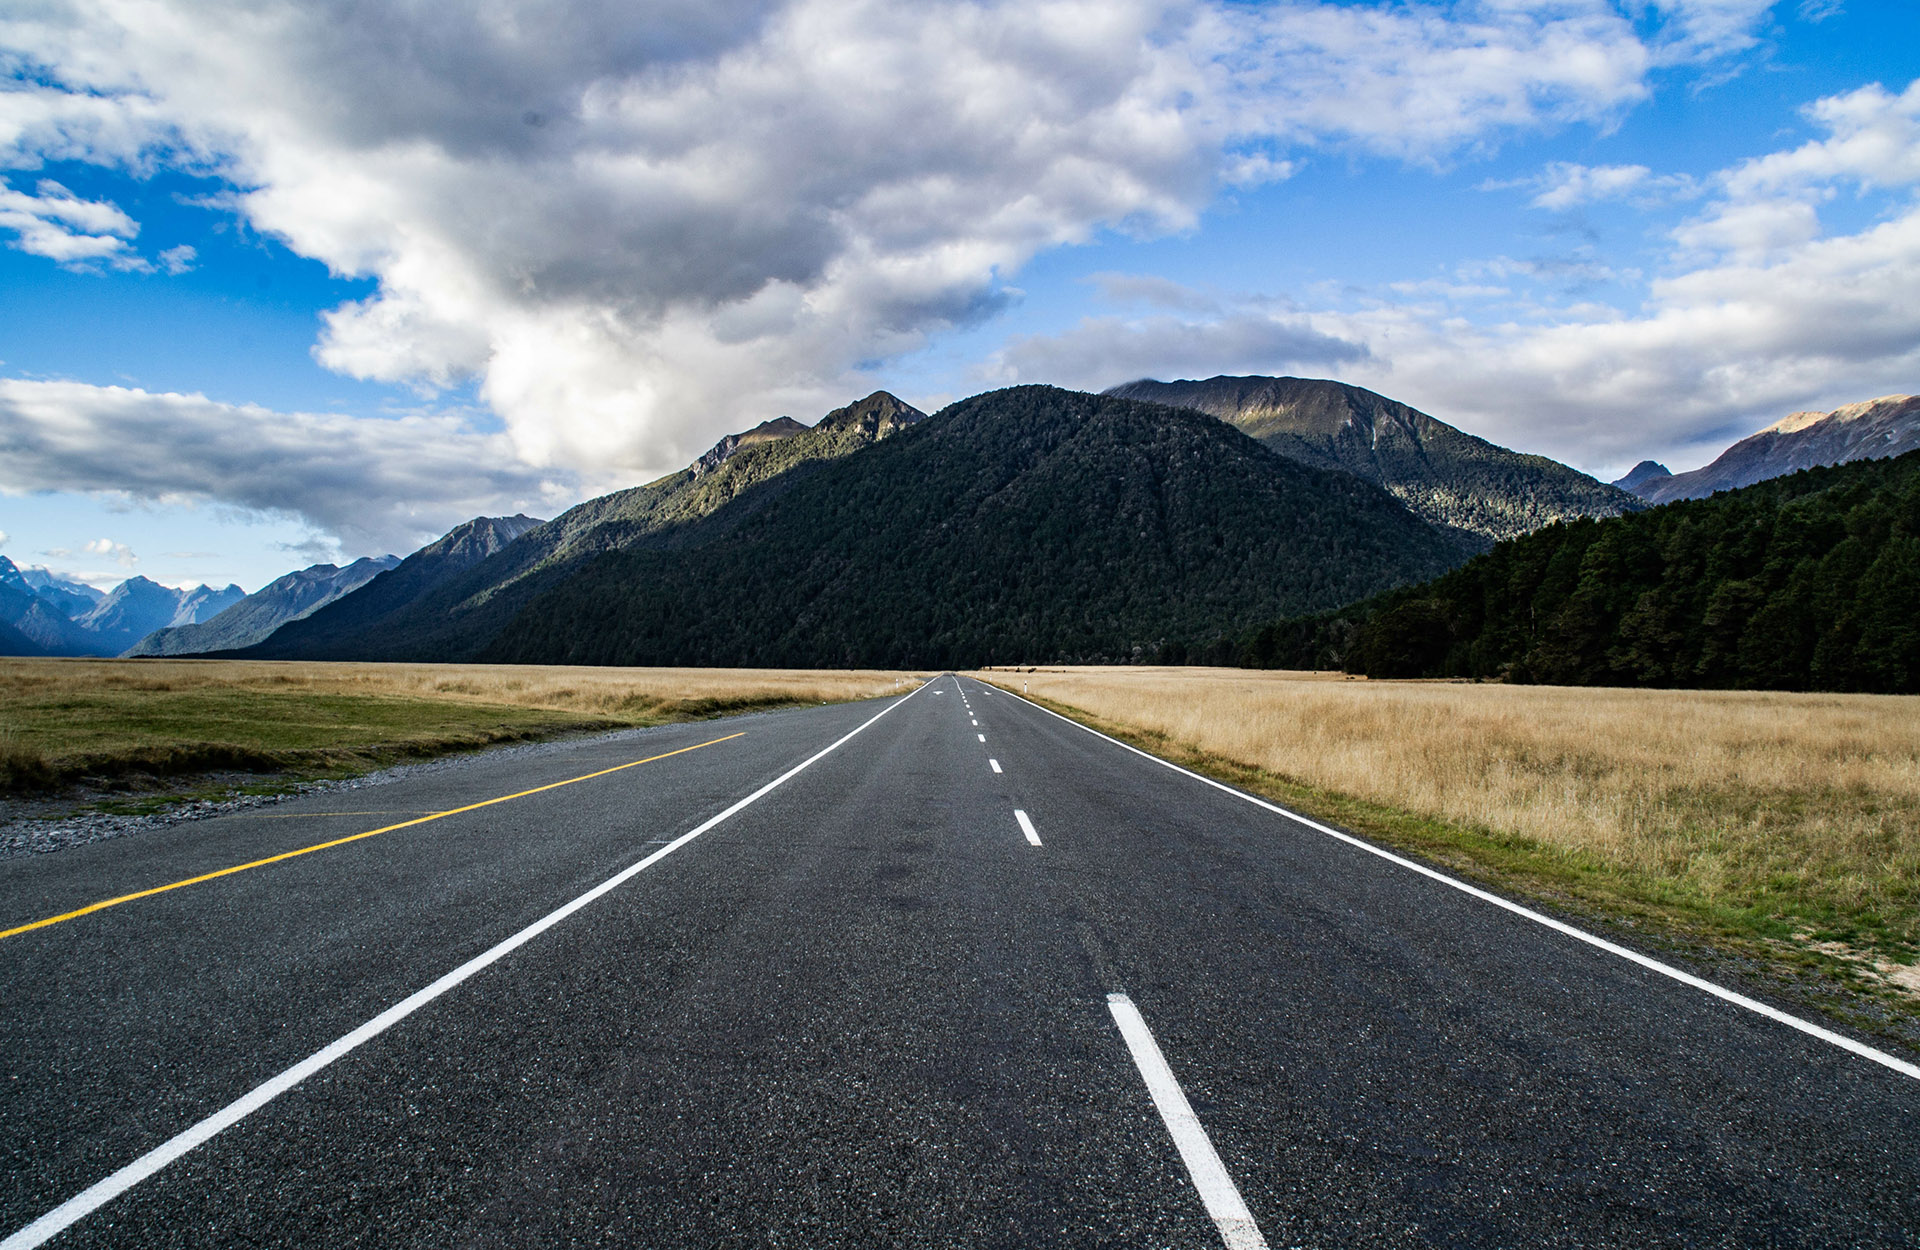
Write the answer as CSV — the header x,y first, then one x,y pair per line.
x,y
874,1007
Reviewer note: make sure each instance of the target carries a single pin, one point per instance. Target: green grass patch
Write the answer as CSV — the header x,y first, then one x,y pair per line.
x,y
117,732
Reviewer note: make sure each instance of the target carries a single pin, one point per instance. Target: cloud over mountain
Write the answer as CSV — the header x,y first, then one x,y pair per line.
x,y
1759,309
636,227
377,484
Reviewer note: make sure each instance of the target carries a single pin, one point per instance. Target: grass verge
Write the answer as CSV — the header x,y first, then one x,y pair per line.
x,y
129,736
1776,950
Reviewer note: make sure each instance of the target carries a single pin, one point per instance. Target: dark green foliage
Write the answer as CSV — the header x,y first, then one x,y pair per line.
x,y
1445,475
453,617
1031,524
1808,582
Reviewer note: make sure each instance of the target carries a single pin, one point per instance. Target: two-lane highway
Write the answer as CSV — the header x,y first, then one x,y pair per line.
x,y
937,970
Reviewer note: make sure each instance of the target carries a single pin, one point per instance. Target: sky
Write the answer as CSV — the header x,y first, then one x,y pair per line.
x,y
284,283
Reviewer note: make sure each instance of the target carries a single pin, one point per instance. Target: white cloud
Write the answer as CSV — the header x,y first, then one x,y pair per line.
x,y
1874,141
1566,184
60,226
1761,312
119,553
1717,351
639,226
377,485
177,260
5,538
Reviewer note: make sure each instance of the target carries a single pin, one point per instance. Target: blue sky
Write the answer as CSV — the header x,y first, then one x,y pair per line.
x,y
304,282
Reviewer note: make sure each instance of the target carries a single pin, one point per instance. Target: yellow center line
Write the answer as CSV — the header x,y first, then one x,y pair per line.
x,y
103,904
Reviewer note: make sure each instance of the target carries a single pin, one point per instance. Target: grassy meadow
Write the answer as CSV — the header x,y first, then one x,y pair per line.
x,y
65,720
1782,826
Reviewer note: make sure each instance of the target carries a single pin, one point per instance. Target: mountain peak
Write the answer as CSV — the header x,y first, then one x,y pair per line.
x,y
1794,422
1443,474
1870,430
1645,471
766,432
879,413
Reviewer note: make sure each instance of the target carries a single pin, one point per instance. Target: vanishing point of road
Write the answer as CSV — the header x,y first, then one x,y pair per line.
x,y
937,970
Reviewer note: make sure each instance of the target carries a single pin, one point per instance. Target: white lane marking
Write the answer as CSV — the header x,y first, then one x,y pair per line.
x,y
102,1192
982,737
996,765
1558,926
1217,1190
1026,827
976,724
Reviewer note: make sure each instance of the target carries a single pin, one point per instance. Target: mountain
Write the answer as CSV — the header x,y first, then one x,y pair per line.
x,y
138,606
1804,582
1888,426
328,632
252,619
58,617
63,593
1022,525
766,432
1646,473
1445,475
741,474
33,625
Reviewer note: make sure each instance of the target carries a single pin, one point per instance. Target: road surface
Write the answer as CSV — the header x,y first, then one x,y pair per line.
x,y
940,970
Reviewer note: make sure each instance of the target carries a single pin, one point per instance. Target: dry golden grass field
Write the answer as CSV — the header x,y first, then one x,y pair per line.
x,y
1792,820
64,719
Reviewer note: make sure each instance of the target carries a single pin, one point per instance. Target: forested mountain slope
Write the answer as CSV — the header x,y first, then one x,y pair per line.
x,y
1445,475
340,630
1805,582
1025,524
459,614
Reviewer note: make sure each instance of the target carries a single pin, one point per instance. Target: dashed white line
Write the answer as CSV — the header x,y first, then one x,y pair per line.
x,y
982,737
104,1191
996,765
1026,826
1217,1191
1754,1005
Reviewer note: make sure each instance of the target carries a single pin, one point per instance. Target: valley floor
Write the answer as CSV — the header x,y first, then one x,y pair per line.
x,y
127,736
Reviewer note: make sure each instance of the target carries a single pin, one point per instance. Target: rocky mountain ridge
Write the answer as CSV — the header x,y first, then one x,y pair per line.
x,y
1872,430
365,611
1025,523
289,598
1443,474
49,615
476,602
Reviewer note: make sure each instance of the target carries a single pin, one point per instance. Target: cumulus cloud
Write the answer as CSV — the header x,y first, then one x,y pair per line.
x,y
639,226
119,553
1760,312
56,224
1566,184
177,260
378,485
1873,140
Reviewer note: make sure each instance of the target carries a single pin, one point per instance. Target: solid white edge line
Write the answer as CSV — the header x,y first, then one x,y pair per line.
x,y
1218,1193
104,1191
1026,827
1632,956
